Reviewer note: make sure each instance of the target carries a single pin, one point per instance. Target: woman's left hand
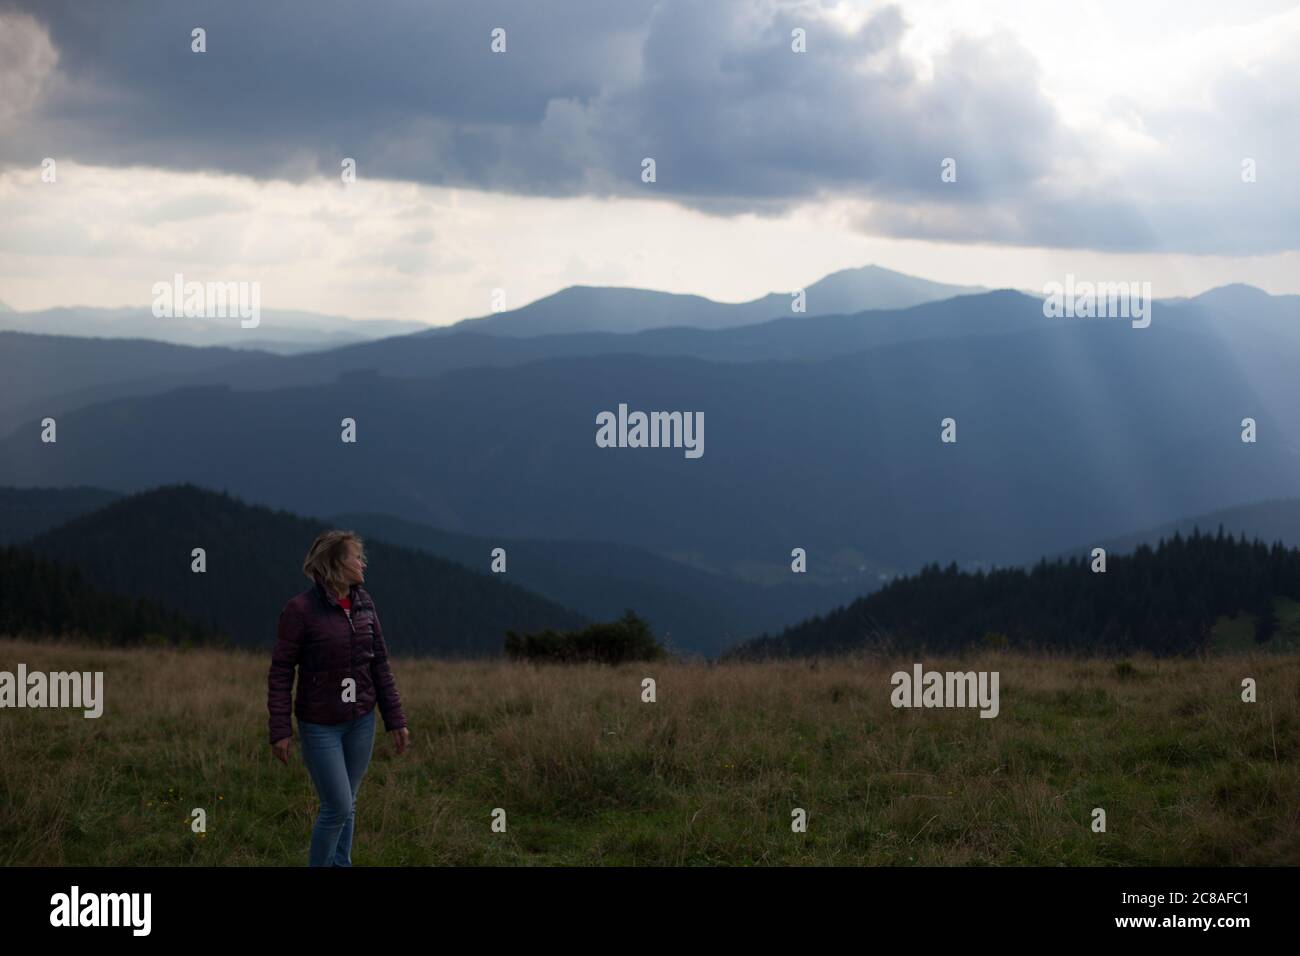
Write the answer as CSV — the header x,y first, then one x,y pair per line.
x,y
401,737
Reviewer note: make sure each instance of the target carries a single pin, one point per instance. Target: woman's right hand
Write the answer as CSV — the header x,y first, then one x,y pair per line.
x,y
281,749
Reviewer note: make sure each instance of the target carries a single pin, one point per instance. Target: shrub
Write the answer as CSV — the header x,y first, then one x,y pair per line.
x,y
627,639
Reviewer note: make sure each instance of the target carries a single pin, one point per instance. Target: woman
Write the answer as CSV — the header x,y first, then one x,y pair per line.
x,y
331,633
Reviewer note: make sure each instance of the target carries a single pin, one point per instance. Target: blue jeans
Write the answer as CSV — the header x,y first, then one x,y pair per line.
x,y
336,756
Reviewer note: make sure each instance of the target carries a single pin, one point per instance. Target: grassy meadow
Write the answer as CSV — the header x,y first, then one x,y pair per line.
x,y
588,774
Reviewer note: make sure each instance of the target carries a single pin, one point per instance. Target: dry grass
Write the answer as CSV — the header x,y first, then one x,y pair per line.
x,y
709,774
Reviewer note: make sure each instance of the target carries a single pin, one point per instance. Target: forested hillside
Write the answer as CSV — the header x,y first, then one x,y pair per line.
x,y
1164,600
44,599
143,546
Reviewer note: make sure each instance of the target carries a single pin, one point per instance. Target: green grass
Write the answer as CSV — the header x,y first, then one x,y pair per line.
x,y
589,775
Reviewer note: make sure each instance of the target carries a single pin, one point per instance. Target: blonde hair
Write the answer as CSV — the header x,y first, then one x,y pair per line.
x,y
324,561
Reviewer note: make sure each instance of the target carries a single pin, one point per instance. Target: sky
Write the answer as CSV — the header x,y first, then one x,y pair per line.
x,y
1102,139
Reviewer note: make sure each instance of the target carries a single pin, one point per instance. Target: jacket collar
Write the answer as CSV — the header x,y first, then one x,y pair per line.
x,y
328,597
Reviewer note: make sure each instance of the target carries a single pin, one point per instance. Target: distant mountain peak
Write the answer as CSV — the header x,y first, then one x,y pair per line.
x,y
1234,291
626,309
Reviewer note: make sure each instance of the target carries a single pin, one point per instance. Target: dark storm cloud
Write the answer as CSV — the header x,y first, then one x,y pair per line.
x,y
710,89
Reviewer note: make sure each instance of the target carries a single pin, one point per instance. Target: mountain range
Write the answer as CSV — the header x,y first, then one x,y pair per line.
x,y
603,309
52,374
280,331
572,309
1066,432
823,433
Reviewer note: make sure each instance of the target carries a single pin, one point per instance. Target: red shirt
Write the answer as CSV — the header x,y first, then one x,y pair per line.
x,y
347,604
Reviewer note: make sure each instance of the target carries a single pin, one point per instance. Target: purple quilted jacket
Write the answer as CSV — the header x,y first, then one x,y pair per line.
x,y
318,636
